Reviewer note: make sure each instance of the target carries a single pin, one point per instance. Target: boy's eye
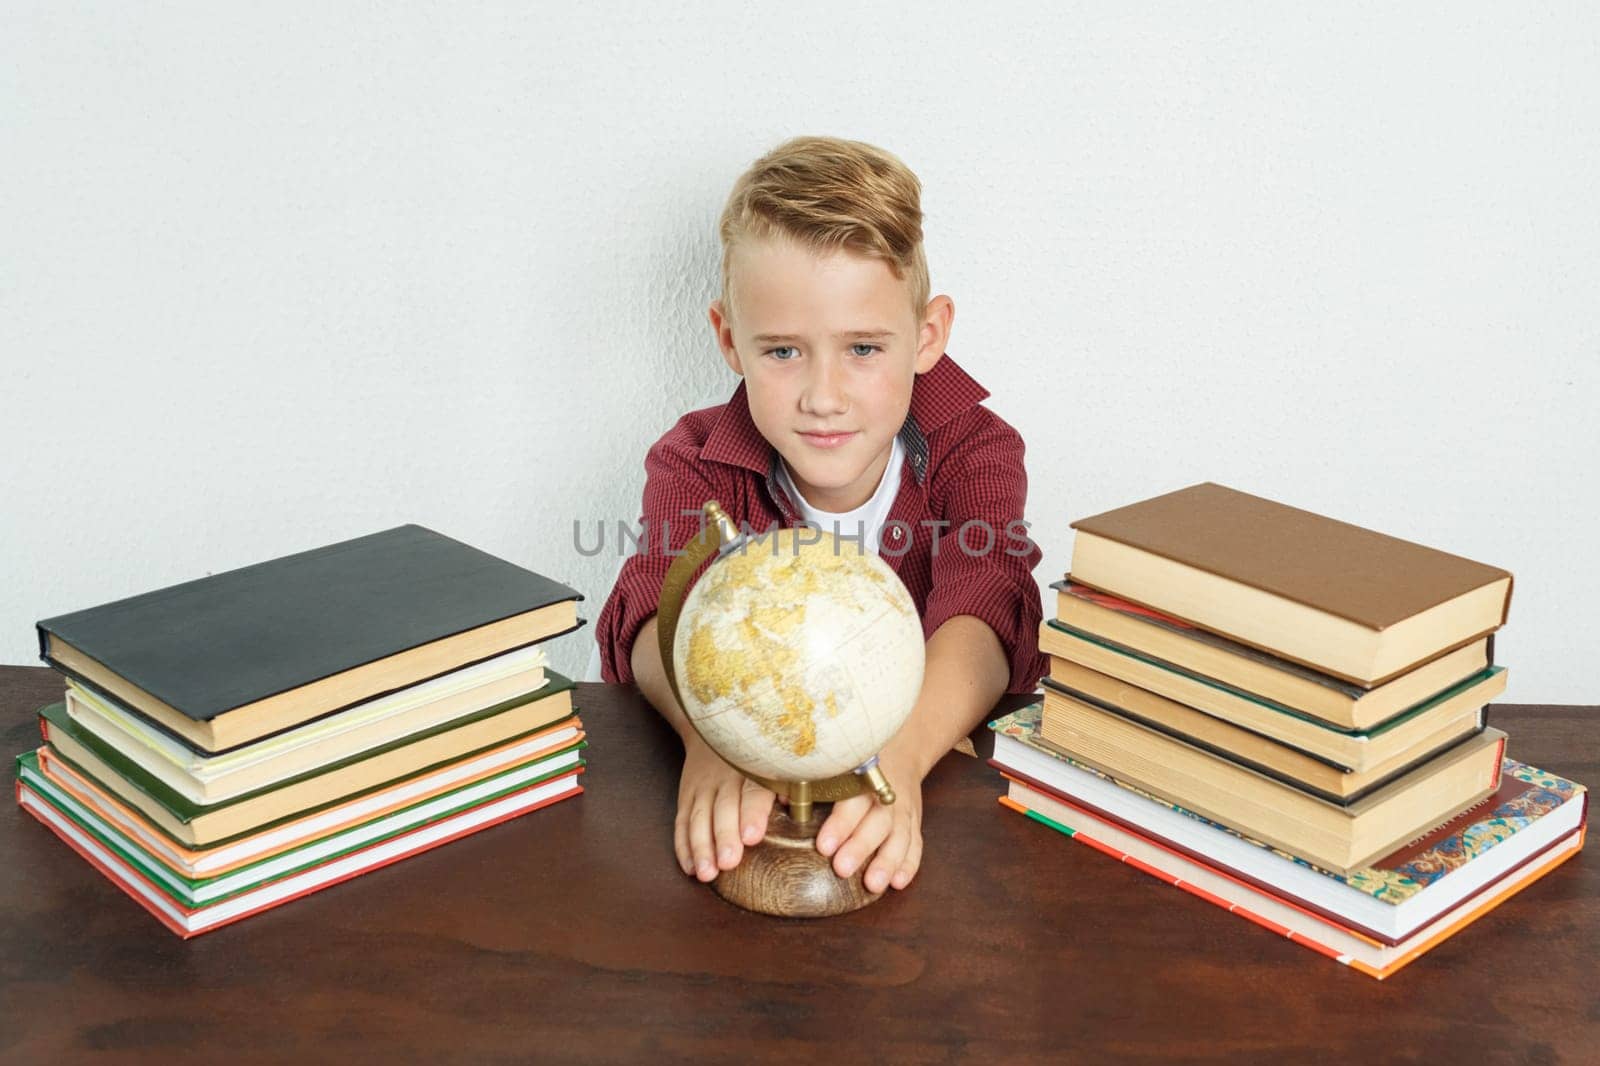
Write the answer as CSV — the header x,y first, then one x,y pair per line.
x,y
788,352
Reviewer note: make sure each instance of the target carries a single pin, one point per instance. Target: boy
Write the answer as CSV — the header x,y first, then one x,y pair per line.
x,y
850,417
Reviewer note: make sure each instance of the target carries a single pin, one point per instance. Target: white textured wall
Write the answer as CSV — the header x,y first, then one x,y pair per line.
x,y
275,275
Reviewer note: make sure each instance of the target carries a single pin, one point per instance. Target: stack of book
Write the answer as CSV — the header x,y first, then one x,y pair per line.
x,y
234,742
1287,715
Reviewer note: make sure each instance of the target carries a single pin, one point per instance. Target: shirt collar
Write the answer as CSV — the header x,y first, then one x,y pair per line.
x,y
937,396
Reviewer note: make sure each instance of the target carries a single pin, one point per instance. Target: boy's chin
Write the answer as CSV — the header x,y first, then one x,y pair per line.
x,y
828,472
817,482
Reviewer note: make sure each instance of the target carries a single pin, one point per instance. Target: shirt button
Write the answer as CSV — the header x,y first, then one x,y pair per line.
x,y
894,533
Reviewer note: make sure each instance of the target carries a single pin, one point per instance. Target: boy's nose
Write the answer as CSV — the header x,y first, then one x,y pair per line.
x,y
824,391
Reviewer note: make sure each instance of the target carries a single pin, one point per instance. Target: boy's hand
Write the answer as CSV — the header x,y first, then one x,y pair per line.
x,y
860,828
720,811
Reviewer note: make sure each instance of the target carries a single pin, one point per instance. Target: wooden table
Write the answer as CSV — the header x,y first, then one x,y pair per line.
x,y
571,935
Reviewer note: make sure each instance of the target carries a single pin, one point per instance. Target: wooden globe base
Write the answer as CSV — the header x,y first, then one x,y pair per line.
x,y
785,875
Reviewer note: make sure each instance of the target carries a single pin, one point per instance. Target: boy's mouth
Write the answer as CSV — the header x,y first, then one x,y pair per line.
x,y
825,440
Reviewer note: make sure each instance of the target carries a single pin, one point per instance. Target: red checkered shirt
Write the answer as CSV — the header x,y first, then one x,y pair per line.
x,y
965,464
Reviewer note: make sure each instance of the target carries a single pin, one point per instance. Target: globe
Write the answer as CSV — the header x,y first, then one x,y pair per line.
x,y
798,658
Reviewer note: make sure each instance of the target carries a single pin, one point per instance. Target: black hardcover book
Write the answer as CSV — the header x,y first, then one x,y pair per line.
x,y
248,642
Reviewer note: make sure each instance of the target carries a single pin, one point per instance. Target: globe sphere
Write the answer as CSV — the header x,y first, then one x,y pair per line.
x,y
798,655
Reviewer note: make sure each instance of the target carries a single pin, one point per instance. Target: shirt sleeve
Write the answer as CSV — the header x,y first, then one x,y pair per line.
x,y
983,486
675,482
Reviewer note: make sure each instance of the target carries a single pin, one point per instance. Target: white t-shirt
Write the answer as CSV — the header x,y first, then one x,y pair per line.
x,y
868,519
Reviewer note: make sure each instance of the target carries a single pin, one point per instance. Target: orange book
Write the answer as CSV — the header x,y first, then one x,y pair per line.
x,y
1275,913
1449,870
188,921
219,859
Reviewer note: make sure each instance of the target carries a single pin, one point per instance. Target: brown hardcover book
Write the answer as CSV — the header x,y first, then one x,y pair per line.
x,y
1205,654
1341,599
1454,709
1280,761
1335,837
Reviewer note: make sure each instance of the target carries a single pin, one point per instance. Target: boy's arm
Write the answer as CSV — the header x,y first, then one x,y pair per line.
x,y
651,677
966,674
981,622
983,611
984,483
676,485
718,811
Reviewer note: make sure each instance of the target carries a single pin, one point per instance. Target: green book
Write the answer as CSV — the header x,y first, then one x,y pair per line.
x,y
194,825
192,892
168,902
1346,748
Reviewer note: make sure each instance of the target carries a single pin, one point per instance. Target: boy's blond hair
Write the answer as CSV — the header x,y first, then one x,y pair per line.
x,y
828,194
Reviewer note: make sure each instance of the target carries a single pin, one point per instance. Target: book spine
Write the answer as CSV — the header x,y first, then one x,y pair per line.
x,y
1473,915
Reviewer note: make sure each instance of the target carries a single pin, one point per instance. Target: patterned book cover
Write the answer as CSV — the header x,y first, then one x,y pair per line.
x,y
1526,794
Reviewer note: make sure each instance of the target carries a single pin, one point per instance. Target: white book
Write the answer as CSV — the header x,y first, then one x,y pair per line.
x,y
1381,914
207,779
1272,912
210,862
193,892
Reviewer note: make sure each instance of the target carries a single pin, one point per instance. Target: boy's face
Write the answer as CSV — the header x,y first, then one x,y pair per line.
x,y
829,348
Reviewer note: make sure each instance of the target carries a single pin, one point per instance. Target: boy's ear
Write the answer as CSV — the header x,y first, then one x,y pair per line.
x,y
934,334
724,331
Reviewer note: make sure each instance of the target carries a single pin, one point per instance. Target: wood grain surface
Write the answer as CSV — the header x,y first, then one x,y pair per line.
x,y
786,875
571,935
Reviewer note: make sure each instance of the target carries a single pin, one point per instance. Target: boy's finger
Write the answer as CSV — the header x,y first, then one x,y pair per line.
x,y
888,859
725,826
755,807
846,815
705,866
869,833
912,862
680,841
